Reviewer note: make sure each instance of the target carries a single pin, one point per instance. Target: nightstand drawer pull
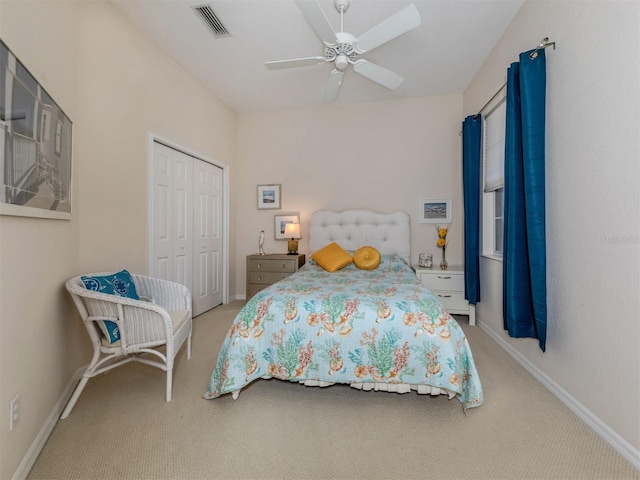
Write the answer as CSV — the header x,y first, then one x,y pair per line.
x,y
444,296
284,266
259,277
444,278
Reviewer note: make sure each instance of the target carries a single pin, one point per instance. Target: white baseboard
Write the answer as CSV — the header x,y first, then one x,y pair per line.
x,y
37,445
608,435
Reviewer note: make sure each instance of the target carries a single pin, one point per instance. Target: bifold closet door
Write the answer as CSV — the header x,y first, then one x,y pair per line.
x,y
172,216
207,236
186,224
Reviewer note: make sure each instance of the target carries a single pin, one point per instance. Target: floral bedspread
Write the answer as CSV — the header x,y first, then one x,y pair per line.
x,y
350,326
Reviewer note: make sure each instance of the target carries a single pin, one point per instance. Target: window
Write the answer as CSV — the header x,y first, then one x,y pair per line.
x,y
493,179
498,213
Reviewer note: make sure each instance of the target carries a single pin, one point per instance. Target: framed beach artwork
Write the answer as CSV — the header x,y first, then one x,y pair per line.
x,y
434,210
269,196
281,222
35,146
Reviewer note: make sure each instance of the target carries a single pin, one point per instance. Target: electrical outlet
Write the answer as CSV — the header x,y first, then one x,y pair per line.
x,y
14,412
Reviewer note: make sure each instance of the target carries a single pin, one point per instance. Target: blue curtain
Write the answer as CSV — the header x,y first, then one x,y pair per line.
x,y
524,248
471,162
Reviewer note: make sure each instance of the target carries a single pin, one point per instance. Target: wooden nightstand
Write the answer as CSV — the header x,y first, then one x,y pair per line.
x,y
265,270
448,286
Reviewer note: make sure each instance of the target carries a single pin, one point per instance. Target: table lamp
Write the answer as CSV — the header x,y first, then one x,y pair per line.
x,y
292,231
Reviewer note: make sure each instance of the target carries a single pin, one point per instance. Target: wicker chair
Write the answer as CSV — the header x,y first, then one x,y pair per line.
x,y
162,317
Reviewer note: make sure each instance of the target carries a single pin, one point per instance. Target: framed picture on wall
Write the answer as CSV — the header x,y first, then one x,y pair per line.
x,y
269,196
35,146
281,222
434,210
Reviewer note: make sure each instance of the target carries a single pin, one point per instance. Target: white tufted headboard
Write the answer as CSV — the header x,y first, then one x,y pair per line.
x,y
387,232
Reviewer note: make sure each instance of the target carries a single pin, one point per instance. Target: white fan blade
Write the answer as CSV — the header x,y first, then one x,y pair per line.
x,y
316,18
378,74
293,63
333,86
406,19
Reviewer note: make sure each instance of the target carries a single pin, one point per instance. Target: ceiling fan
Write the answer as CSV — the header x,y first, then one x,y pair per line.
x,y
342,48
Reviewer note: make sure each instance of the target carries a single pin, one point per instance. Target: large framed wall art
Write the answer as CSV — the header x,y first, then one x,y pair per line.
x,y
35,146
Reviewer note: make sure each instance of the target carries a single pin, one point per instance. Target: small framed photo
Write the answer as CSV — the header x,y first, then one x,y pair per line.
x,y
281,222
435,210
269,196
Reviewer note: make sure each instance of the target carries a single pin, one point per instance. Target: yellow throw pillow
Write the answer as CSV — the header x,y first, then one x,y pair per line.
x,y
366,258
332,257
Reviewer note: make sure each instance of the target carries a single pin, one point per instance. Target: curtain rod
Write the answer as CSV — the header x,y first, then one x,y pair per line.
x,y
491,99
541,46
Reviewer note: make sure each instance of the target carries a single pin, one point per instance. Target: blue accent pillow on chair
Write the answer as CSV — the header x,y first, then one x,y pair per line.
x,y
119,283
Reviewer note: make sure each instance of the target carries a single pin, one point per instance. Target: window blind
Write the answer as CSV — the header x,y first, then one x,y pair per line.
x,y
494,135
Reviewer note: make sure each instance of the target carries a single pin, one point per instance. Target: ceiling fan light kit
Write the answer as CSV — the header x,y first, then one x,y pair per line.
x,y
342,48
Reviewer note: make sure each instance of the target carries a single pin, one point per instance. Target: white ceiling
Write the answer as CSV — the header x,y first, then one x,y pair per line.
x,y
439,57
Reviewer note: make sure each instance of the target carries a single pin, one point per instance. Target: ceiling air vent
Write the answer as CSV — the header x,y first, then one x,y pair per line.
x,y
211,20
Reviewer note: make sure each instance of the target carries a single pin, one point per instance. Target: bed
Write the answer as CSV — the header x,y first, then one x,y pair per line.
x,y
377,329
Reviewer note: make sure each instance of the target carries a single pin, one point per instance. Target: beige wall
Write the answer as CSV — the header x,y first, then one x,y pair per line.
x,y
36,255
593,185
134,89
116,87
384,156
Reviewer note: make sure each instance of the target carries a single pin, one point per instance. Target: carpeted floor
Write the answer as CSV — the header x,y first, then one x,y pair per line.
x,y
121,427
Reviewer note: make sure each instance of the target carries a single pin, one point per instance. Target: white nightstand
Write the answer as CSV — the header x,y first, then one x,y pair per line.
x,y
448,286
